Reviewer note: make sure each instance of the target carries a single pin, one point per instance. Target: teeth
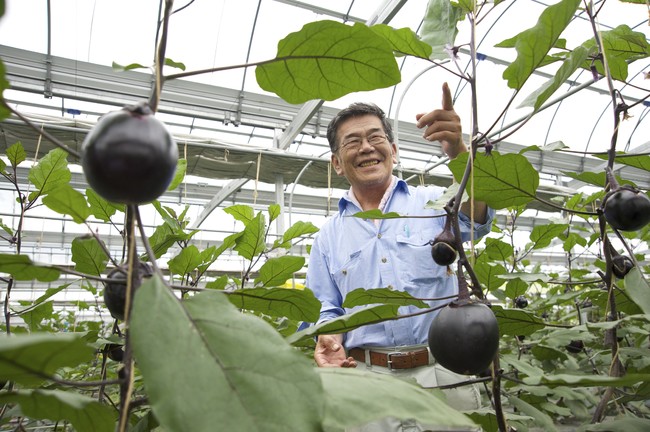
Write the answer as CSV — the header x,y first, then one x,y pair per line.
x,y
369,163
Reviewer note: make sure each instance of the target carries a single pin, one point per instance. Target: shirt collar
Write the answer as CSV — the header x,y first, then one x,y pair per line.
x,y
349,198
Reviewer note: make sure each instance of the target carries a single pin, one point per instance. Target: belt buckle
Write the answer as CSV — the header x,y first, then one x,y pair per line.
x,y
389,361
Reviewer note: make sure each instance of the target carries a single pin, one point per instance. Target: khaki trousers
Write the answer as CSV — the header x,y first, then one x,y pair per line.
x,y
429,377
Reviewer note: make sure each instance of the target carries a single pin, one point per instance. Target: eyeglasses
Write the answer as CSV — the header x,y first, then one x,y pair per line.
x,y
354,143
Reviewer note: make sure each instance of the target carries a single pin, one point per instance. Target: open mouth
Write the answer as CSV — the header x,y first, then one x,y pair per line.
x,y
368,163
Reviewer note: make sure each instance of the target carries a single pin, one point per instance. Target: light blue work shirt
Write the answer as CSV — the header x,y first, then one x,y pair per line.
x,y
351,252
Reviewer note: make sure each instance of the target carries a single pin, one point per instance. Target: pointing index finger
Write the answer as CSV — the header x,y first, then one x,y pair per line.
x,y
447,102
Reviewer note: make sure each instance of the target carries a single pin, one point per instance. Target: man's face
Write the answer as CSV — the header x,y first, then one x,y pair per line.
x,y
366,166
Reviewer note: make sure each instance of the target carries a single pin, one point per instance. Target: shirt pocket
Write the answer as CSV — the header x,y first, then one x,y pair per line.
x,y
353,273
415,262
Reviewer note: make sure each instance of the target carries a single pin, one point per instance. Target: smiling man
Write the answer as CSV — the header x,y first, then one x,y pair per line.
x,y
351,252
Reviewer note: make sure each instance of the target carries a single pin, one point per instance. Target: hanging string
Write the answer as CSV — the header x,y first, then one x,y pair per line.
x,y
257,176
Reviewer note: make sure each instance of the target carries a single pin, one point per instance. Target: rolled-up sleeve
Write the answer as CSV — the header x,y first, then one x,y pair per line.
x,y
480,230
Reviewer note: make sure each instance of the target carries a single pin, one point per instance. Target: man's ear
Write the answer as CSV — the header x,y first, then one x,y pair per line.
x,y
336,163
394,152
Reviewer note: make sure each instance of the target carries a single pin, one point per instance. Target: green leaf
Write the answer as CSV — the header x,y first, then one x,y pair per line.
x,y
179,175
295,304
622,46
543,235
296,230
499,250
515,288
119,67
219,283
51,292
252,241
34,316
570,65
626,380
16,154
636,161
404,41
68,201
377,214
542,419
84,413
623,423
6,229
163,238
348,322
241,212
29,359
596,179
274,212
500,180
4,84
516,321
202,356
172,63
527,277
276,271
440,27
488,273
363,297
100,208
638,289
50,173
533,44
186,261
21,267
88,255
354,397
323,61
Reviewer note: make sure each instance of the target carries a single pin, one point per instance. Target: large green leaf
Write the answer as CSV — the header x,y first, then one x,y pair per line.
x,y
488,273
590,380
21,267
622,46
542,235
327,60
84,413
296,304
88,255
516,322
440,27
355,397
241,212
533,44
541,418
68,201
275,271
50,172
4,84
252,241
203,368
404,41
163,238
362,297
638,289
34,315
570,65
30,359
499,180
620,424
100,208
186,261
636,161
345,323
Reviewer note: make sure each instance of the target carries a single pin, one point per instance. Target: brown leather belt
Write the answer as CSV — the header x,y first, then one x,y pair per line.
x,y
393,360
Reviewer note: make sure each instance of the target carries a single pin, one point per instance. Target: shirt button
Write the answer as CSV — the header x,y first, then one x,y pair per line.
x,y
378,236
384,260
